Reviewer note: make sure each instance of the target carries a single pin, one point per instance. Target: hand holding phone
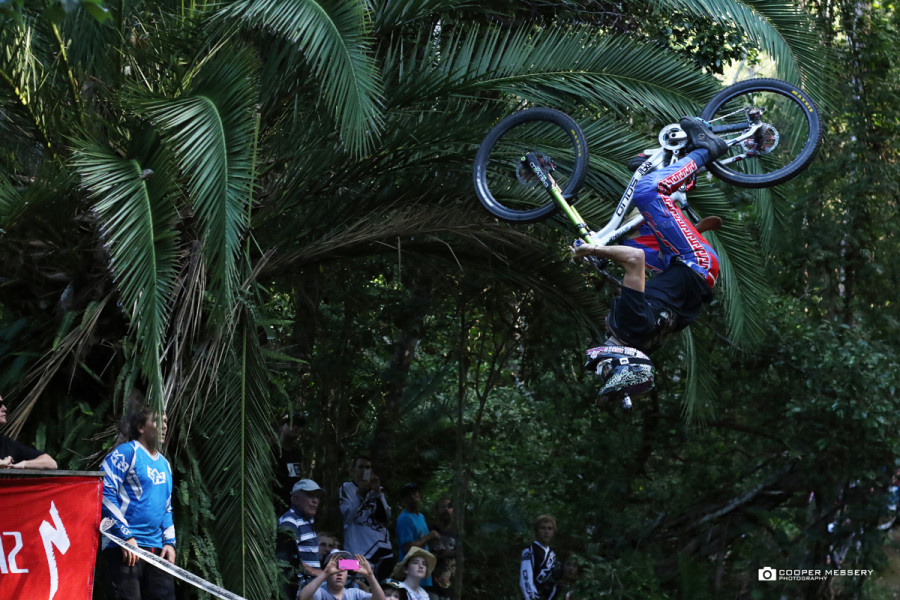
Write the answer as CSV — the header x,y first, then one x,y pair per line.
x,y
346,564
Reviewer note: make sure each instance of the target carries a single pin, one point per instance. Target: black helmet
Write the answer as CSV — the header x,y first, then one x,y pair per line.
x,y
623,369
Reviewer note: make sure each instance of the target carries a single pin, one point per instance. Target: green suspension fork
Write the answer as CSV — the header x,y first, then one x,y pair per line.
x,y
553,189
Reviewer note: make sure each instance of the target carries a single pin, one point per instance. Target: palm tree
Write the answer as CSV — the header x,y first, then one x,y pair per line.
x,y
163,163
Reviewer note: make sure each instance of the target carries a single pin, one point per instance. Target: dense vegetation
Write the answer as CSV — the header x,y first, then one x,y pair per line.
x,y
263,207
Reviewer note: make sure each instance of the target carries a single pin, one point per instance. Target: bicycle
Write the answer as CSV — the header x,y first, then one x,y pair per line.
x,y
774,126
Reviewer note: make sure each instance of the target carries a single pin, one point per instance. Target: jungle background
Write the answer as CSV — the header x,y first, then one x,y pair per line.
x,y
261,208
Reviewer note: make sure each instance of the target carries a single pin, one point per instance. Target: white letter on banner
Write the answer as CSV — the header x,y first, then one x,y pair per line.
x,y
3,570
11,559
54,537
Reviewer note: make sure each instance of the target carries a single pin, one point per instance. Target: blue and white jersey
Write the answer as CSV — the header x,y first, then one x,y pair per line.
x,y
137,495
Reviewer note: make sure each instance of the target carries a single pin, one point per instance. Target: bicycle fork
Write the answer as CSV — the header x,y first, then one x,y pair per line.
x,y
543,175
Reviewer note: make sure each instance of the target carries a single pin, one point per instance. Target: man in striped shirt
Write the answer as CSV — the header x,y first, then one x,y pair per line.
x,y
298,542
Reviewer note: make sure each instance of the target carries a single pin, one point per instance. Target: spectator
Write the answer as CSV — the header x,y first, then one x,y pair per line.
x,y
327,542
444,549
298,544
393,590
414,569
442,578
335,580
14,455
137,496
411,529
366,515
569,579
538,573
290,459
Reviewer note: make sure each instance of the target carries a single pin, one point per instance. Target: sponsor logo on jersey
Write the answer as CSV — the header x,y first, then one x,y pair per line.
x,y
118,461
157,477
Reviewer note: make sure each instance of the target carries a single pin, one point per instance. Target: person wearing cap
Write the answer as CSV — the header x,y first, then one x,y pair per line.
x,y
15,455
335,580
414,570
298,543
394,590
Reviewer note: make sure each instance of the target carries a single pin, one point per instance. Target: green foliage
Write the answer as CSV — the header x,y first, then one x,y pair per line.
x,y
264,207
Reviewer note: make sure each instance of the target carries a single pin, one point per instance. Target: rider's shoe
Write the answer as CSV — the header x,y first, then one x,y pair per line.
x,y
711,223
701,136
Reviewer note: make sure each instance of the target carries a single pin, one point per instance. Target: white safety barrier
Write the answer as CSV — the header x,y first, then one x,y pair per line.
x,y
168,567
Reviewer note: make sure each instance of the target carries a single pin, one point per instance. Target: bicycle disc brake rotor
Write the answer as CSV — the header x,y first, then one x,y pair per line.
x,y
672,138
526,176
764,140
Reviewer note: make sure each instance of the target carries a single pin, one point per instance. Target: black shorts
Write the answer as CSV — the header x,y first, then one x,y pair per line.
x,y
670,302
633,318
143,581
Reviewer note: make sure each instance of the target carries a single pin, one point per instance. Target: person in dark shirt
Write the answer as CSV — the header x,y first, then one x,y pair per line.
x,y
14,455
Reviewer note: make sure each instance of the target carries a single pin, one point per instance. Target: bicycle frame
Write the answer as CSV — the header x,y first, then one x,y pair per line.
x,y
618,225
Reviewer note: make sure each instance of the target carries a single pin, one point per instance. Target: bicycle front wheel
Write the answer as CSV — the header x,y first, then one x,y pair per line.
x,y
782,147
506,187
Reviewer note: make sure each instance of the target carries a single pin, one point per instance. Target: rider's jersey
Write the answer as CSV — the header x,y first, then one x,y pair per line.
x,y
537,575
687,264
667,235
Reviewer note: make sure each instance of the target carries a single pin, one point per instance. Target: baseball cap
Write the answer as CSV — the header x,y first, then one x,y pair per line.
x,y
306,485
336,554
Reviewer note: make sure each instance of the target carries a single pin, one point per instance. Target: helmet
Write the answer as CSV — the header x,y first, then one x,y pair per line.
x,y
623,369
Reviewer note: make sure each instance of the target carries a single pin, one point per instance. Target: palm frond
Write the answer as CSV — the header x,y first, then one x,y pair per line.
x,y
233,437
742,286
212,132
555,66
696,405
11,203
393,14
44,370
24,74
782,28
335,36
134,202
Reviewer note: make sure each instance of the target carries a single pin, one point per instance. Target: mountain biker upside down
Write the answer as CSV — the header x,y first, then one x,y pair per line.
x,y
669,243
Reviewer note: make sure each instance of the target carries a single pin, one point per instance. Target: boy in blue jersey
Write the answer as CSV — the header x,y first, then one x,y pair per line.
x,y
137,496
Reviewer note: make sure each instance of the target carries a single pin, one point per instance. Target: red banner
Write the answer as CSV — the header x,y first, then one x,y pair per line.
x,y
48,537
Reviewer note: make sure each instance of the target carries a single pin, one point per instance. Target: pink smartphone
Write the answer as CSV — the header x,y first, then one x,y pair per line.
x,y
347,564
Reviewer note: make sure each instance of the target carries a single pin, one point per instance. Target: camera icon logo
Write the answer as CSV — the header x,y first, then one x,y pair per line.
x,y
768,574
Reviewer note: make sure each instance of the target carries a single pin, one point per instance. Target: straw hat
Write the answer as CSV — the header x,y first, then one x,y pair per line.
x,y
415,551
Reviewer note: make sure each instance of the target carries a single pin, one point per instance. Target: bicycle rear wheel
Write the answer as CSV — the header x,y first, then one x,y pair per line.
x,y
781,149
506,187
